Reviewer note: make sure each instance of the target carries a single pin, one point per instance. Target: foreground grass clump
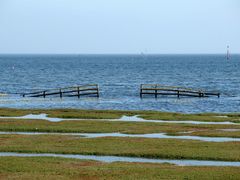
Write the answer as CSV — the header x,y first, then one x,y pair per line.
x,y
115,114
133,147
90,126
60,168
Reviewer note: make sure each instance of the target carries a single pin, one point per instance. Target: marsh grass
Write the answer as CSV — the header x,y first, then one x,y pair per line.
x,y
133,147
115,114
95,126
213,133
61,168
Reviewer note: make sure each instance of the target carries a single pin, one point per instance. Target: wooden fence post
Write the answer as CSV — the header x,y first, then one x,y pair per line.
x,y
60,92
78,91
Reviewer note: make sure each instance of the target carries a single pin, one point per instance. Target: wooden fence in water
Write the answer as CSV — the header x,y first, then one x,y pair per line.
x,y
78,91
158,89
145,89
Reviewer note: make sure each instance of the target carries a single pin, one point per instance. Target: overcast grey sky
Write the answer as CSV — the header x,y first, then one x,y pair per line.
x,y
119,26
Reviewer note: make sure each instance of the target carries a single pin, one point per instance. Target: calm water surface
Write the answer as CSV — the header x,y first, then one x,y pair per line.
x,y
119,77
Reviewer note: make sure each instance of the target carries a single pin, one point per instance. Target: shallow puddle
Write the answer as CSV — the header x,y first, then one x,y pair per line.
x,y
35,116
137,119
110,159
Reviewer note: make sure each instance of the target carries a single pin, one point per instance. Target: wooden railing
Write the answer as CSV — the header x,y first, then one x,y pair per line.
x,y
82,90
158,89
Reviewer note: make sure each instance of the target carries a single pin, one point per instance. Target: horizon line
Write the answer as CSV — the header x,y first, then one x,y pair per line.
x,y
143,54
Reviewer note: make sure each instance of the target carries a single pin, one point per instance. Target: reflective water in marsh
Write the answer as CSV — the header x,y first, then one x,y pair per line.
x,y
110,159
123,118
138,119
154,135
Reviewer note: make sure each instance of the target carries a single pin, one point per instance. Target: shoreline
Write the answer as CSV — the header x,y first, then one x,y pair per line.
x,y
69,113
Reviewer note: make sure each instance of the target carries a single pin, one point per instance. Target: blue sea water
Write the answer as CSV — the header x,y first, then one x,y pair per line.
x,y
119,78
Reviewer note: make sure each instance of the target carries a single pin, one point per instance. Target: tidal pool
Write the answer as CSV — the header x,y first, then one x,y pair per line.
x,y
110,159
154,135
138,119
123,118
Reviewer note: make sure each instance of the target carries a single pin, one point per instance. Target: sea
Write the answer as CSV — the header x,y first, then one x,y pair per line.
x,y
119,78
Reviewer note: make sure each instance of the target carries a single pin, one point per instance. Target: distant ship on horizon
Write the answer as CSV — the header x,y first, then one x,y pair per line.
x,y
228,53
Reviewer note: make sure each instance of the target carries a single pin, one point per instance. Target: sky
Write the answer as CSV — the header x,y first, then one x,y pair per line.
x,y
119,26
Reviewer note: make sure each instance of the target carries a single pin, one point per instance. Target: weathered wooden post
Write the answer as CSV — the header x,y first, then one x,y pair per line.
x,y
44,94
141,91
60,92
97,91
78,91
156,91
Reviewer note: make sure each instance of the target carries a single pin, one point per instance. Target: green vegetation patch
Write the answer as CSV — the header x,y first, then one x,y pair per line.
x,y
133,147
95,126
60,168
115,114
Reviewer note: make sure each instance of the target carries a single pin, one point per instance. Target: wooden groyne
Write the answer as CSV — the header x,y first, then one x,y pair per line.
x,y
158,89
78,91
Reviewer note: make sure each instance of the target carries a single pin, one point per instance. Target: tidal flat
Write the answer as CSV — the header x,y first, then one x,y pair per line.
x,y
98,121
